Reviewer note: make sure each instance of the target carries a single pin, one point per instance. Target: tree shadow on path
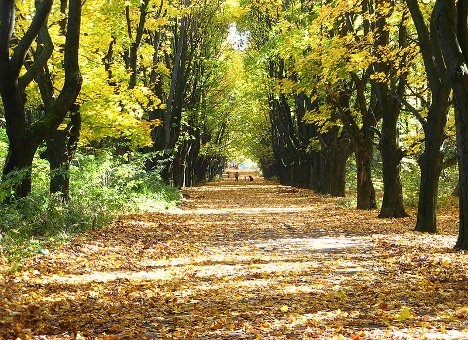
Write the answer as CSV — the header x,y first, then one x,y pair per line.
x,y
243,261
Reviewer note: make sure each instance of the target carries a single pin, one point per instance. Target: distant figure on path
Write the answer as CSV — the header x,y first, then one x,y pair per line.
x,y
229,175
250,178
236,175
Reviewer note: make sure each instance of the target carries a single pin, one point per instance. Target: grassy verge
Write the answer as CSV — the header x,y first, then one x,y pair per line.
x,y
102,188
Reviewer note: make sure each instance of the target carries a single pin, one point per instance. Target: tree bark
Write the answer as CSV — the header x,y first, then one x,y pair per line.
x,y
389,107
24,140
61,148
365,187
132,53
62,143
430,163
334,154
362,139
452,28
176,86
431,159
392,204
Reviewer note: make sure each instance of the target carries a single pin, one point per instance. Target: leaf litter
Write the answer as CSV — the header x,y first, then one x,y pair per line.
x,y
245,261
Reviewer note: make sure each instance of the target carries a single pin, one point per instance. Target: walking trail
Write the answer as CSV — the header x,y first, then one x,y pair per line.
x,y
244,260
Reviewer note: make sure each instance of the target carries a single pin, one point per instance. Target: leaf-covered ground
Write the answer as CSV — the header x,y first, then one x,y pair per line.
x,y
246,260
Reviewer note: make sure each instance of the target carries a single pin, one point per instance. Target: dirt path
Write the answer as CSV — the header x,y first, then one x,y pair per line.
x,y
246,260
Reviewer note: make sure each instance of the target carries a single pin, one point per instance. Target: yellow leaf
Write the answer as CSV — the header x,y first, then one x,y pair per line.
x,y
284,308
266,324
341,295
405,313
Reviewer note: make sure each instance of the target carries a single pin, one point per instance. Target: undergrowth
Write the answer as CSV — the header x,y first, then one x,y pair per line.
x,y
102,187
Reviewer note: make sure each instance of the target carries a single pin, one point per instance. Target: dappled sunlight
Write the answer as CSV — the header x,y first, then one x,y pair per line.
x,y
284,263
249,211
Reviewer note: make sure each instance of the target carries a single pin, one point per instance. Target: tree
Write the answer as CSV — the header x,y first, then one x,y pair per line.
x,y
305,153
450,20
431,160
205,38
24,139
390,79
63,142
345,29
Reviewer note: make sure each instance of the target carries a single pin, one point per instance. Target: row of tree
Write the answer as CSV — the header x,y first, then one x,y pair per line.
x,y
346,76
159,76
134,75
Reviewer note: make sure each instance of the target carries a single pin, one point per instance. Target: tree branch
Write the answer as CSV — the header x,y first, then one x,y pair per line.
x,y
19,54
7,23
56,112
425,42
40,61
462,26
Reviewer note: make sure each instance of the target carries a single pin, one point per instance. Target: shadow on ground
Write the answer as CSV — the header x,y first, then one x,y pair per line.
x,y
243,260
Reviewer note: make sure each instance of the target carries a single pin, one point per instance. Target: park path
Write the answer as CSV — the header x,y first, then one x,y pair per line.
x,y
244,260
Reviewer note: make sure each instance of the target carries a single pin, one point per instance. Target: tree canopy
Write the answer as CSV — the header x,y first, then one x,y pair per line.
x,y
311,91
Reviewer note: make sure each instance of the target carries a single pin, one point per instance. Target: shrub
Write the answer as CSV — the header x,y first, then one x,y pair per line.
x,y
102,187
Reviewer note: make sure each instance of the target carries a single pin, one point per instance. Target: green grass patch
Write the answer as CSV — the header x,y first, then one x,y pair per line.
x,y
102,188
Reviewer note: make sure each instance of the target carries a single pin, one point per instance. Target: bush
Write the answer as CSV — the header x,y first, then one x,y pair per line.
x,y
410,178
102,187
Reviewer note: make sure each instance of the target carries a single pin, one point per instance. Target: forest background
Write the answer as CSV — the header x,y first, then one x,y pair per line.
x,y
109,106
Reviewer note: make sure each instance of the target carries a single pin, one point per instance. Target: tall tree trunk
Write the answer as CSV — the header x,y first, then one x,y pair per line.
x,y
365,187
390,107
62,143
452,27
392,204
283,148
61,148
430,163
362,139
23,142
19,158
336,149
176,83
431,159
132,53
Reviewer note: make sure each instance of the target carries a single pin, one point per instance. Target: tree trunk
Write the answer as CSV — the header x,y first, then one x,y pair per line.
x,y
392,204
132,53
300,172
60,151
389,109
365,187
19,158
23,143
24,140
336,149
283,149
430,161
21,148
454,44
175,87
362,136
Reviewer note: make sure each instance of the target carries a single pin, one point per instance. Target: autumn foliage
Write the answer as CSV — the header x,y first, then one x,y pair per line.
x,y
244,260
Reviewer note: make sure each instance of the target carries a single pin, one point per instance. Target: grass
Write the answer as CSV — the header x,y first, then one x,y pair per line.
x,y
102,188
